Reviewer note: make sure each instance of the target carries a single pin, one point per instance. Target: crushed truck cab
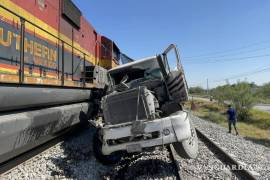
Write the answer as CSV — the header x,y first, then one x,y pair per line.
x,y
143,108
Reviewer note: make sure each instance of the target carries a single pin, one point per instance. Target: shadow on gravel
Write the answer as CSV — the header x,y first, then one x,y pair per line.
x,y
75,160
133,167
264,142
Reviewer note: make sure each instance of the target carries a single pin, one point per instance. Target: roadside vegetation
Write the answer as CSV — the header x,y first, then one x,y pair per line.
x,y
252,124
198,92
240,95
256,129
261,93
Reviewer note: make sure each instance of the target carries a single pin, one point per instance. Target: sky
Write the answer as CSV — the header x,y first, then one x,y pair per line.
x,y
224,41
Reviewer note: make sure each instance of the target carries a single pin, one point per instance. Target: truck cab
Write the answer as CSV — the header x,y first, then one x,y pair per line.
x,y
143,108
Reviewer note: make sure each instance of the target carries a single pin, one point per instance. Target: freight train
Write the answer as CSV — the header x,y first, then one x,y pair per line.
x,y
52,64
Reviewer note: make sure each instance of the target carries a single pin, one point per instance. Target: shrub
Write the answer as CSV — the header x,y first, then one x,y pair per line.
x,y
240,95
216,117
197,90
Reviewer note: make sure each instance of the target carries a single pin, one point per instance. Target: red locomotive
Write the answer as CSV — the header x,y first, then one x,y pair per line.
x,y
52,61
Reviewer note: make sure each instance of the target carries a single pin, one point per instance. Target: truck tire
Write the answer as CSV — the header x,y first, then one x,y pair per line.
x,y
188,148
97,150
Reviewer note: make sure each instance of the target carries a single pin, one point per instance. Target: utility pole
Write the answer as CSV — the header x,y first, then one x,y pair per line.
x,y
207,87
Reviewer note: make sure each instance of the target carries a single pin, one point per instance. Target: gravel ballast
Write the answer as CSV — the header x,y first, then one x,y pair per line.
x,y
252,156
205,166
74,159
71,159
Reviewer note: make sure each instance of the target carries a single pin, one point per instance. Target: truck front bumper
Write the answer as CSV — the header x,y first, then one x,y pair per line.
x,y
133,137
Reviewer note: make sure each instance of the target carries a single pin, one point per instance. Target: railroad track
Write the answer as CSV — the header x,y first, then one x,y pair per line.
x,y
229,161
149,164
9,165
176,164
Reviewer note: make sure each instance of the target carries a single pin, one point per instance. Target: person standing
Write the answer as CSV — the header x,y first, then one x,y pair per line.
x,y
232,118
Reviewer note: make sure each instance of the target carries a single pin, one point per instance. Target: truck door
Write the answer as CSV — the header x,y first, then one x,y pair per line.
x,y
173,73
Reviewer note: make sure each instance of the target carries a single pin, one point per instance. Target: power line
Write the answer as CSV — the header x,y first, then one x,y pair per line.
x,y
228,60
229,50
230,54
195,84
245,74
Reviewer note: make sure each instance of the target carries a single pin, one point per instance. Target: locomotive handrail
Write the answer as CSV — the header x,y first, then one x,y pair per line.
x,y
41,28
60,44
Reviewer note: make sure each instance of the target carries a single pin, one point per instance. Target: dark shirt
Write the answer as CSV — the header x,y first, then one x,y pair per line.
x,y
232,114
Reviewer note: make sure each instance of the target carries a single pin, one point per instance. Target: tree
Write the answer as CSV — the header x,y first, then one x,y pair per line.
x,y
196,90
239,95
222,93
264,91
243,99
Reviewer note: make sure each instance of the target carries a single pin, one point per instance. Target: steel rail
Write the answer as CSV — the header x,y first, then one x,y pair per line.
x,y
225,157
176,164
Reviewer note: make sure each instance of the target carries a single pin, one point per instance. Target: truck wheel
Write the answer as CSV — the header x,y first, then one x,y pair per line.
x,y
104,159
188,148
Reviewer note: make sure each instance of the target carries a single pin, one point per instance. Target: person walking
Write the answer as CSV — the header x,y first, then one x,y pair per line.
x,y
232,119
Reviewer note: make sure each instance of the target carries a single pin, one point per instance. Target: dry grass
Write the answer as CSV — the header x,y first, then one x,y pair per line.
x,y
260,119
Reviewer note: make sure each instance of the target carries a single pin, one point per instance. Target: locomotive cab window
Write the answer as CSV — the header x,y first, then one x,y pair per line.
x,y
116,53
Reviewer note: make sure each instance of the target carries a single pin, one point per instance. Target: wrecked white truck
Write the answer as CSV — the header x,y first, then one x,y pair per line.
x,y
143,108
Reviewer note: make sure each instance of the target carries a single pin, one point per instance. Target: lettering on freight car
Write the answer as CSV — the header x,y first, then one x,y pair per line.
x,y
5,42
17,39
43,55
38,49
28,46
